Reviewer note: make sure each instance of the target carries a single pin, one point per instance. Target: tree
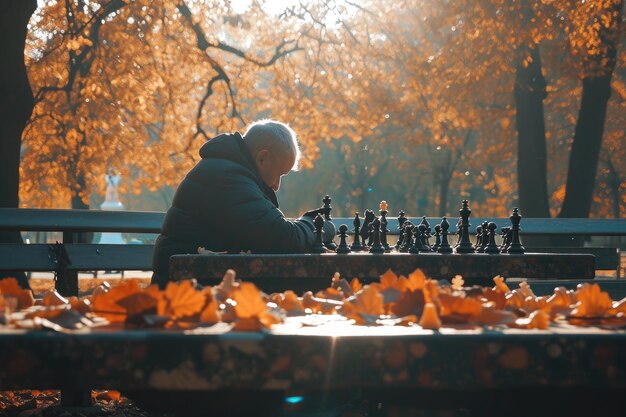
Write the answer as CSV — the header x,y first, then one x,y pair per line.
x,y
16,103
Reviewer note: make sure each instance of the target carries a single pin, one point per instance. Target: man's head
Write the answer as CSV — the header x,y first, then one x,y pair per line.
x,y
274,148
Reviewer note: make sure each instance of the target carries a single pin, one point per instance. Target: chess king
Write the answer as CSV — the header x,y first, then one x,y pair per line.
x,y
228,203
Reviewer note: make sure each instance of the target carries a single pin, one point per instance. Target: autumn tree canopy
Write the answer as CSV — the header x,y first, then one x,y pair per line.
x,y
420,103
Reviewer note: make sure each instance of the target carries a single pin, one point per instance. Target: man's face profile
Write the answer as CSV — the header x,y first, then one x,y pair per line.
x,y
273,165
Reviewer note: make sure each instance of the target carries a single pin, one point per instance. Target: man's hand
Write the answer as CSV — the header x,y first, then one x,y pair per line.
x,y
313,213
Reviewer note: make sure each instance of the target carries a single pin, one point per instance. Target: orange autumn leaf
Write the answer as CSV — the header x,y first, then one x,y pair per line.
x,y
210,313
356,285
409,303
53,298
249,301
416,280
290,302
430,319
10,287
107,304
498,297
464,306
500,284
388,279
592,301
180,300
365,306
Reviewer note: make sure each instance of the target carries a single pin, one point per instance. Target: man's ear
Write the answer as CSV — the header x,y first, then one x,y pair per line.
x,y
261,157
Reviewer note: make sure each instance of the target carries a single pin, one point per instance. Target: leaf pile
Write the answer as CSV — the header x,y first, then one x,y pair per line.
x,y
415,300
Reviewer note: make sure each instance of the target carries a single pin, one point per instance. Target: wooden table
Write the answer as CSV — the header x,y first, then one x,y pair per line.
x,y
486,370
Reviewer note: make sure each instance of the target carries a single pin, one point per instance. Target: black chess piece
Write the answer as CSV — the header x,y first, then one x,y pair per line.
x,y
415,244
421,241
491,247
401,220
479,238
444,247
366,231
465,245
318,246
505,234
383,225
343,244
437,238
327,208
356,243
485,240
407,236
516,245
376,246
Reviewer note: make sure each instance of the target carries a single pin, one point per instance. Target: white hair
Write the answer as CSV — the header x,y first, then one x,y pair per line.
x,y
275,135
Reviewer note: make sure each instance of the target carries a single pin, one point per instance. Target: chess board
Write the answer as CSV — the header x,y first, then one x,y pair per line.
x,y
303,272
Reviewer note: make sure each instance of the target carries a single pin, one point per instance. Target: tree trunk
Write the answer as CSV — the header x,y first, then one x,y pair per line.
x,y
530,91
78,204
16,105
583,161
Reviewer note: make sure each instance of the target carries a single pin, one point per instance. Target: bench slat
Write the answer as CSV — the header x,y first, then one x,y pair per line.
x,y
87,257
35,257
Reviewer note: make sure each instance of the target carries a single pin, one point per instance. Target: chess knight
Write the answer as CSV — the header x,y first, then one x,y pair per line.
x,y
228,203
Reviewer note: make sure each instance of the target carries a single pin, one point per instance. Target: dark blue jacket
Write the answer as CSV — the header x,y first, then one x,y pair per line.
x,y
224,205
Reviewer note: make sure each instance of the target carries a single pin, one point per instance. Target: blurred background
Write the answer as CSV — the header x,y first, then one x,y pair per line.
x,y
420,103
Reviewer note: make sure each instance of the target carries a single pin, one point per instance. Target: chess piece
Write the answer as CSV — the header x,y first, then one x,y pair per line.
x,y
485,239
444,247
415,245
479,239
366,231
420,238
516,245
318,246
356,244
376,246
327,208
407,236
383,225
343,245
465,245
505,234
491,247
437,238
401,220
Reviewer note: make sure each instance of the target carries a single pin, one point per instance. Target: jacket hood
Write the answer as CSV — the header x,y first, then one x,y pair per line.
x,y
231,147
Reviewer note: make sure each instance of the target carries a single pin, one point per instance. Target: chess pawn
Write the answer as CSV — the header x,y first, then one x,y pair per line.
x,y
491,247
356,243
401,220
479,238
318,246
516,245
376,246
444,247
343,245
465,245
326,200
505,234
437,238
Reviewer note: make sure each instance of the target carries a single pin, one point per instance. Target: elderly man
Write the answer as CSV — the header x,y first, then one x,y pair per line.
x,y
227,202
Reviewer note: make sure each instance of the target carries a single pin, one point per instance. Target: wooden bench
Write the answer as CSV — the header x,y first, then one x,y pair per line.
x,y
68,257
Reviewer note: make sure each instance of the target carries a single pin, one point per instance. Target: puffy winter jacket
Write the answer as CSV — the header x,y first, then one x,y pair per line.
x,y
224,205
